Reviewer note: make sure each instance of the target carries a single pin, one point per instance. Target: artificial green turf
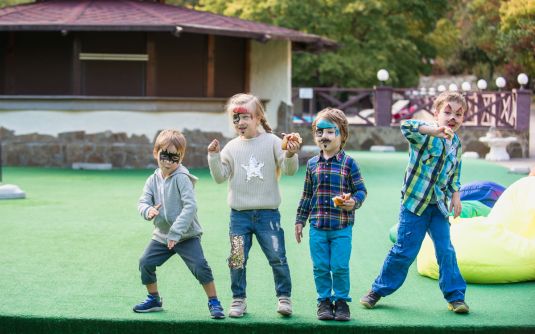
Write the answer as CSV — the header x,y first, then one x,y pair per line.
x,y
70,251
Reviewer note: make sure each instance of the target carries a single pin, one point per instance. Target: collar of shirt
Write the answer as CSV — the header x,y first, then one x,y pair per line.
x,y
338,156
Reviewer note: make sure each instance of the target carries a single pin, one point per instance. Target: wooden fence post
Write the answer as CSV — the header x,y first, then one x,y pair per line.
x,y
383,106
523,101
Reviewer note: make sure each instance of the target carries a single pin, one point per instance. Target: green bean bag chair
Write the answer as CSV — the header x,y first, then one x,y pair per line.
x,y
499,248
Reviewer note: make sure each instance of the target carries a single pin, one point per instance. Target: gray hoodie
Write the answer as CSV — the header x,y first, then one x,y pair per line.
x,y
178,212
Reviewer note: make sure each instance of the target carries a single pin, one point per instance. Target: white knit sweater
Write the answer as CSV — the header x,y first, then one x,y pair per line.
x,y
251,165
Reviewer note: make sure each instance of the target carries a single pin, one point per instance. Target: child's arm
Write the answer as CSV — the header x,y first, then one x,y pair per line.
x,y
189,208
287,160
303,210
219,165
358,189
416,132
454,185
145,205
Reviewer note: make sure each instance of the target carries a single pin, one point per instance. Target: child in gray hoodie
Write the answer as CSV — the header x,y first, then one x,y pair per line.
x,y
169,199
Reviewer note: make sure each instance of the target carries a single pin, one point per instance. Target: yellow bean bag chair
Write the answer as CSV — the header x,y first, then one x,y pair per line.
x,y
499,248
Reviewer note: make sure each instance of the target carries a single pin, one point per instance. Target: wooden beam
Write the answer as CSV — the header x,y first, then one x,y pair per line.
x,y
76,66
247,70
210,67
150,89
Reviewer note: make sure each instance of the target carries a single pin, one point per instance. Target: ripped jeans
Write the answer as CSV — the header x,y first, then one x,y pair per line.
x,y
265,224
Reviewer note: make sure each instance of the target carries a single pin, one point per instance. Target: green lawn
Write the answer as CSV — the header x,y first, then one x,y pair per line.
x,y
70,251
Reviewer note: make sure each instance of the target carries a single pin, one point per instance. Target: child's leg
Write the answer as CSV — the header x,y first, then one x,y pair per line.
x,y
270,236
411,233
191,252
340,255
320,253
240,244
450,280
154,256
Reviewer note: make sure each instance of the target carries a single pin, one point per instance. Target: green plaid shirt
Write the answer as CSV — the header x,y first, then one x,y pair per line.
x,y
434,169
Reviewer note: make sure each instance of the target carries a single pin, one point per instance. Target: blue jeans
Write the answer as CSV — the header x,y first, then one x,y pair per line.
x,y
330,251
265,224
411,233
189,250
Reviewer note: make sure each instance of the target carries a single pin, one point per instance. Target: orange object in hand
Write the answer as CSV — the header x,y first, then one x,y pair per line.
x,y
294,136
339,200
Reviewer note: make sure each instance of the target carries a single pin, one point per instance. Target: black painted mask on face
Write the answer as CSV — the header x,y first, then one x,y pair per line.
x,y
168,156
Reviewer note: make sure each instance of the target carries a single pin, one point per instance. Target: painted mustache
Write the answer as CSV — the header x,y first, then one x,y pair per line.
x,y
324,141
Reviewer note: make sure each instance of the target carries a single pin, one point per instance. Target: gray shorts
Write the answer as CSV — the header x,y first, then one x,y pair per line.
x,y
189,250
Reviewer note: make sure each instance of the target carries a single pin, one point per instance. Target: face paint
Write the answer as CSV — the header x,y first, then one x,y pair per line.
x,y
326,124
237,117
236,112
173,158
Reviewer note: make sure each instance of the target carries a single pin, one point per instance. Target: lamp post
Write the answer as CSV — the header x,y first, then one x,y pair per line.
x,y
500,83
382,76
466,87
482,84
383,100
522,79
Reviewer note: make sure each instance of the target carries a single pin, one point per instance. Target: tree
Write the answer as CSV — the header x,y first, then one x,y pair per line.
x,y
372,34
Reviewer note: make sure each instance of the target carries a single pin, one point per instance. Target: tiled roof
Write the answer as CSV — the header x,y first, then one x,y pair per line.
x,y
132,15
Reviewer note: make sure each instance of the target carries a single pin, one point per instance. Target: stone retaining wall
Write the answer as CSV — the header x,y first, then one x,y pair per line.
x,y
124,151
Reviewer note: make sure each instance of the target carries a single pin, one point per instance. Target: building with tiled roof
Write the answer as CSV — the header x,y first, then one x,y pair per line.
x,y
139,65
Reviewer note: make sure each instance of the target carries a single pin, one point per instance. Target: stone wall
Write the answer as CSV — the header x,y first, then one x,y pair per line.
x,y
120,150
124,151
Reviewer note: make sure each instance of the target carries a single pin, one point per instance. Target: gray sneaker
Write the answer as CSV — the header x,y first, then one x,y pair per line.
x,y
238,308
459,307
370,299
284,306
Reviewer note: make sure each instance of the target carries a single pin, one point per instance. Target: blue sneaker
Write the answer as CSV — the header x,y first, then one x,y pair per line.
x,y
151,304
216,310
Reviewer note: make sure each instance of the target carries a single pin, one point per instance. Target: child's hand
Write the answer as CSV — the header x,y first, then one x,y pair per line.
x,y
298,232
348,204
443,132
344,202
214,146
171,244
153,212
291,143
456,204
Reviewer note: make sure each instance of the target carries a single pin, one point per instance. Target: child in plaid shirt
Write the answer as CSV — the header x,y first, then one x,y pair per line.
x,y
431,180
330,175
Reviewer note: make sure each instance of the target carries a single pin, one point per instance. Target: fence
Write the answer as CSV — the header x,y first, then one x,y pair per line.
x,y
386,106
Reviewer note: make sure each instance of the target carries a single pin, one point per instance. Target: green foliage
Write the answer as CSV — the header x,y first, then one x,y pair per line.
x,y
487,38
372,35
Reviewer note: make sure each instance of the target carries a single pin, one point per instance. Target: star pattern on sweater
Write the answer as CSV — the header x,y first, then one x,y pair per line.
x,y
254,169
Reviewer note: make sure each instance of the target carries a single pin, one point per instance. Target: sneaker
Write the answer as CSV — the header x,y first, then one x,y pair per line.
x,y
238,308
151,304
216,310
341,311
284,306
370,299
458,306
325,310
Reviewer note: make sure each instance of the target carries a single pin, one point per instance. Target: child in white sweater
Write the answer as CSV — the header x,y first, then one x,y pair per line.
x,y
252,163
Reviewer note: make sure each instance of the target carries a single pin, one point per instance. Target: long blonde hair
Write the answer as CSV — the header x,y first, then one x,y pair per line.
x,y
252,103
